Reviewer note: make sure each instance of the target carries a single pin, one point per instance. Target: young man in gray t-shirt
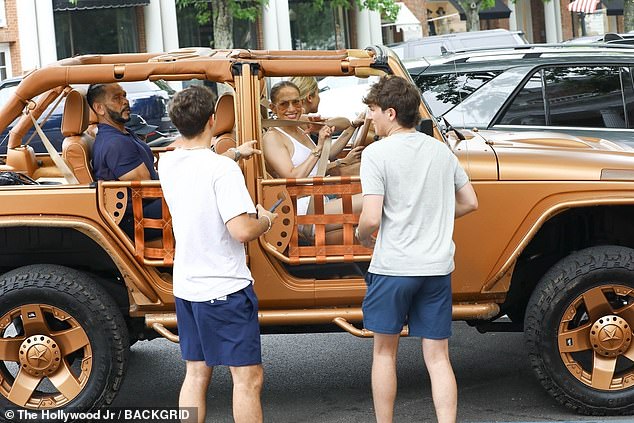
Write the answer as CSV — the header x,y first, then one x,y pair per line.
x,y
413,189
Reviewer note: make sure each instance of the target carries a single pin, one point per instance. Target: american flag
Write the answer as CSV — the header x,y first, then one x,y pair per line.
x,y
584,6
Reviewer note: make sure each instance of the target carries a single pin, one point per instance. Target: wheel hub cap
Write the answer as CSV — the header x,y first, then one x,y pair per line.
x,y
39,355
610,336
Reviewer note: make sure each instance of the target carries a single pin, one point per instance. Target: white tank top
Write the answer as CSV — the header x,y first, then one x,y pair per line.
x,y
300,152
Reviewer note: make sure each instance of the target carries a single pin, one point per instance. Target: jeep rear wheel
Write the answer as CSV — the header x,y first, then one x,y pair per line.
x,y
578,329
63,342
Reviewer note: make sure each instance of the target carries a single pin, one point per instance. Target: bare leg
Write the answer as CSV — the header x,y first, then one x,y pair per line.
x,y
194,390
247,386
335,206
384,376
443,382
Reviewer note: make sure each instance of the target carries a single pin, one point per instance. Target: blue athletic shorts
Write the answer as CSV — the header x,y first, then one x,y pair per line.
x,y
221,332
422,302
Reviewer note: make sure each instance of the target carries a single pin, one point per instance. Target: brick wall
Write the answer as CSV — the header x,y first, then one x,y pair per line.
x,y
539,26
9,34
140,28
566,20
419,9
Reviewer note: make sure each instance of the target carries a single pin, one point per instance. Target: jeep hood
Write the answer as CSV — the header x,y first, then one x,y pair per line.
x,y
559,157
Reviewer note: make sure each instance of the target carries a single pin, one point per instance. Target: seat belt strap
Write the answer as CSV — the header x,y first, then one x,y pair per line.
x,y
63,167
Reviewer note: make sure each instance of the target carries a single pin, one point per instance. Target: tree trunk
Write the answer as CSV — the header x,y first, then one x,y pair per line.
x,y
223,24
472,12
628,15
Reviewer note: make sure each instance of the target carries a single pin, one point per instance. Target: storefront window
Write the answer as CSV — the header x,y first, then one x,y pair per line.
x,y
313,28
192,34
96,31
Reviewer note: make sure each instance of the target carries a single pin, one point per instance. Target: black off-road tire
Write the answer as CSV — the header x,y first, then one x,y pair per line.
x,y
556,295
89,305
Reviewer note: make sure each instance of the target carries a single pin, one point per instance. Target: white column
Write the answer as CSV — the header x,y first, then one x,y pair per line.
x,y
376,35
560,34
269,25
550,22
512,17
46,32
363,31
153,27
276,26
36,29
27,31
169,24
283,25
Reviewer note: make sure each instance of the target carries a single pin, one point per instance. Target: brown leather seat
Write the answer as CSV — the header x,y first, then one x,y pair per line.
x,y
77,146
224,123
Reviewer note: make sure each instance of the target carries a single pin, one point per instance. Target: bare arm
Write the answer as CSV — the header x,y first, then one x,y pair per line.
x,y
245,228
139,173
370,219
466,200
279,158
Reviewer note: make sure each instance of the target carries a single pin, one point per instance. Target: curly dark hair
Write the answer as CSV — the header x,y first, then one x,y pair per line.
x,y
395,92
190,109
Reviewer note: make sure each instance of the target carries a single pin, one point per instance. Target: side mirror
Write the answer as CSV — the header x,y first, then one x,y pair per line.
x,y
426,126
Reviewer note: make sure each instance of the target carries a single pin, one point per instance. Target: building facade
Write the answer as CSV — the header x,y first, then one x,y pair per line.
x,y
34,33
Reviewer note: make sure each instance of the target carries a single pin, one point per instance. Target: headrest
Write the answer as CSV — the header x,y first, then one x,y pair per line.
x,y
225,115
75,118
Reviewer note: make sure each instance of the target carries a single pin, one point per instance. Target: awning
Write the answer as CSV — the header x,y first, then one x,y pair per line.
x,y
583,6
615,7
498,11
405,20
63,5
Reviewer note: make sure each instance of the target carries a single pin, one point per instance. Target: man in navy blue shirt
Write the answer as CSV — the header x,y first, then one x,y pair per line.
x,y
118,154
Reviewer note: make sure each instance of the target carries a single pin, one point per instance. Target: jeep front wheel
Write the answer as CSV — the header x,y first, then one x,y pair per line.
x,y
63,342
578,329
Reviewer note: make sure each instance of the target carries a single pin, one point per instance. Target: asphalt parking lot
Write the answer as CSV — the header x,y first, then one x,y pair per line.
x,y
326,378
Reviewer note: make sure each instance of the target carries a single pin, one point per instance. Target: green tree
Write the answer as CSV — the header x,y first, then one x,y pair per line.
x,y
223,12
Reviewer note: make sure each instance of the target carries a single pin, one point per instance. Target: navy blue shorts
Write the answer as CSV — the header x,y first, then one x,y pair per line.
x,y
421,302
221,332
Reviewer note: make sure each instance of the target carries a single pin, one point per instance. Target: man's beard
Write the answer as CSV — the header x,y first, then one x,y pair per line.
x,y
118,116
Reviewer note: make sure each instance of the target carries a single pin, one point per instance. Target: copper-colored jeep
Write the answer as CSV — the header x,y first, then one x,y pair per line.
x,y
549,252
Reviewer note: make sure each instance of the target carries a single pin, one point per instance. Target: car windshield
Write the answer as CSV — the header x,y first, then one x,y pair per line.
x,y
442,92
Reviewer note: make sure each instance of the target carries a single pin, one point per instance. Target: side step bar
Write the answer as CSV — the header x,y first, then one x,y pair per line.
x,y
162,323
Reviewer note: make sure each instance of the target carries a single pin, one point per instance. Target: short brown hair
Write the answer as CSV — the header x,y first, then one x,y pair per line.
x,y
190,109
395,92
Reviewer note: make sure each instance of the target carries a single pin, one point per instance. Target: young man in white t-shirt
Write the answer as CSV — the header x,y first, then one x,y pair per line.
x,y
413,189
213,215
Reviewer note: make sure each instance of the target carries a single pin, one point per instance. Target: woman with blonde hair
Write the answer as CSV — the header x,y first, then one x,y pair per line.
x,y
309,97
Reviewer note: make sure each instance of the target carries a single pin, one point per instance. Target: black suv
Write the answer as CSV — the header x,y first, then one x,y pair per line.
x,y
580,90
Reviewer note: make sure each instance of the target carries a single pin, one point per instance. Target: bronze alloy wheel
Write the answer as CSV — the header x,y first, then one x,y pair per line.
x,y
578,330
50,346
63,340
595,337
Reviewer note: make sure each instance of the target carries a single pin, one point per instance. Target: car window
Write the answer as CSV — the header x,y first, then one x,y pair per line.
x,y
443,92
528,106
585,96
628,89
577,96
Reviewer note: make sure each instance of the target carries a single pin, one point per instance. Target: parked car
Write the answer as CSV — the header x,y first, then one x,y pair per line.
x,y
609,38
551,245
148,99
578,90
457,41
